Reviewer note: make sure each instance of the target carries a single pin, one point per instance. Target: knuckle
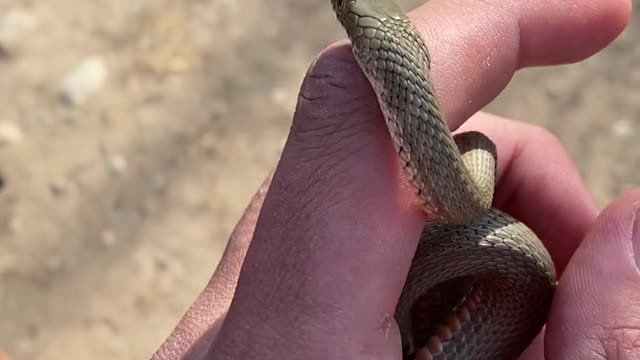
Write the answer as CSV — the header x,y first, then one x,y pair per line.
x,y
547,142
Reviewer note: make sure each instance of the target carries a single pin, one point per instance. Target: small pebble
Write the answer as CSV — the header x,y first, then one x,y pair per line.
x,y
14,24
10,134
117,163
83,81
108,238
14,225
8,263
58,187
622,128
280,96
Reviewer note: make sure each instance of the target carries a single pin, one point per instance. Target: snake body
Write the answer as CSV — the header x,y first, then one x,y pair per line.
x,y
481,282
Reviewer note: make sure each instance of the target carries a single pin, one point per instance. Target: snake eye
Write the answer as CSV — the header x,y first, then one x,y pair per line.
x,y
339,4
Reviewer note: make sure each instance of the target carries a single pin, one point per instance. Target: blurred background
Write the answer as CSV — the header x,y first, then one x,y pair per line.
x,y
133,133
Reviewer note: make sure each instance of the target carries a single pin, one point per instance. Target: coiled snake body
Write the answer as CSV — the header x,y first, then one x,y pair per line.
x,y
481,282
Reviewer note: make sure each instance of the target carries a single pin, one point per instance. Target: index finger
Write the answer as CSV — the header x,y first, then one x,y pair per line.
x,y
538,184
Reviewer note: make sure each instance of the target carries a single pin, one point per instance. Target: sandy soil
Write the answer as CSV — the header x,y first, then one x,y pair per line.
x,y
114,209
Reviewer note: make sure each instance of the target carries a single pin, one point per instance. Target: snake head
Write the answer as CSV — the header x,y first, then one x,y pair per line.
x,y
349,12
339,5
341,8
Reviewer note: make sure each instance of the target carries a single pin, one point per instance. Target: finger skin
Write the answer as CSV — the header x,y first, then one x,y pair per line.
x,y
195,332
477,46
339,225
596,310
538,184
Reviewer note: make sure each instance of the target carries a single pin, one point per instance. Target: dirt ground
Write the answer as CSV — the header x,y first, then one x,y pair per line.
x,y
120,184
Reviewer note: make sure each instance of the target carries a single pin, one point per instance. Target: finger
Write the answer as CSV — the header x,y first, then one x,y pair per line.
x,y
538,184
338,231
476,46
197,329
596,309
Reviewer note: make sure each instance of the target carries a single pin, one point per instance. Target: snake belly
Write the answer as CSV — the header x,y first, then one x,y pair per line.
x,y
481,282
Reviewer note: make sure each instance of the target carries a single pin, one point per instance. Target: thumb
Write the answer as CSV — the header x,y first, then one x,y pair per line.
x,y
596,310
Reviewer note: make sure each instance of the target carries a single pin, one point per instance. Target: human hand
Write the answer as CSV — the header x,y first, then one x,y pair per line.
x,y
339,225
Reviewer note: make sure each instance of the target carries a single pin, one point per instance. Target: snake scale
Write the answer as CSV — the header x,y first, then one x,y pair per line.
x,y
481,282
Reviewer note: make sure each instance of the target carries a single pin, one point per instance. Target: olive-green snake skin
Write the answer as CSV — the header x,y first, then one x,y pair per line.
x,y
481,282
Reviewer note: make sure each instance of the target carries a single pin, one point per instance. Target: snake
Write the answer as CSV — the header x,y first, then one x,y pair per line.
x,y
481,282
